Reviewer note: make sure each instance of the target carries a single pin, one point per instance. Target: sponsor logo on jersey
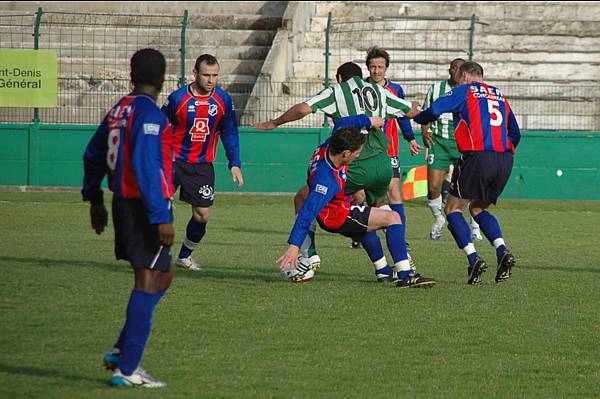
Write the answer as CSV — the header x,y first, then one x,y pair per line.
x,y
199,129
151,128
321,189
191,108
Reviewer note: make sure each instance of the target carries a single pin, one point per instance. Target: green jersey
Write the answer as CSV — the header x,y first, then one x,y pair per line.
x,y
443,126
355,97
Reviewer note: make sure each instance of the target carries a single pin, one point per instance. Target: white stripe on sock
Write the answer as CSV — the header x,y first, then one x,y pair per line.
x,y
402,266
189,244
498,242
380,264
469,249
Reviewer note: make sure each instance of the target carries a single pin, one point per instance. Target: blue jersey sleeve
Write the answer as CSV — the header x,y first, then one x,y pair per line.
x,y
170,108
514,133
451,102
149,124
94,164
230,135
322,190
360,121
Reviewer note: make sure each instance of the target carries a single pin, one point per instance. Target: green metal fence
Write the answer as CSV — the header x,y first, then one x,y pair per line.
x,y
94,50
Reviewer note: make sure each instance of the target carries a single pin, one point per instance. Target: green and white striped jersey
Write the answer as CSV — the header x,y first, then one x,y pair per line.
x,y
355,97
443,126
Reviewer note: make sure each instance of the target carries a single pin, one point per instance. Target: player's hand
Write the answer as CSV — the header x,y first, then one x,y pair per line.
x,y
415,109
268,125
414,147
166,234
377,122
289,260
427,139
99,217
236,174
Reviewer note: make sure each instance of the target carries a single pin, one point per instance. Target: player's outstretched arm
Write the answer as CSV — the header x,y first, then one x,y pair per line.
x,y
298,111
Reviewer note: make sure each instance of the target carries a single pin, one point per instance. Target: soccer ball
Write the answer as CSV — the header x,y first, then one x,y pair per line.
x,y
303,273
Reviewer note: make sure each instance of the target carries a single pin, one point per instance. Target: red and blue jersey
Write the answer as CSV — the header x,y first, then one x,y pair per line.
x,y
392,125
326,200
134,147
483,118
198,122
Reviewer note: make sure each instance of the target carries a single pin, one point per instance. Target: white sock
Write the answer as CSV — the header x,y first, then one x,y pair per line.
x,y
435,205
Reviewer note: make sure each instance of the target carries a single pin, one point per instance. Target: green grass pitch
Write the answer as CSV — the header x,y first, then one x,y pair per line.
x,y
237,330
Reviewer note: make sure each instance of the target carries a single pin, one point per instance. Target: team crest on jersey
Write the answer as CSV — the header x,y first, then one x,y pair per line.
x,y
199,129
212,109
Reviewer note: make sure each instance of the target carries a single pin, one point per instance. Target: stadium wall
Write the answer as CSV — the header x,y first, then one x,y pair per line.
x,y
549,165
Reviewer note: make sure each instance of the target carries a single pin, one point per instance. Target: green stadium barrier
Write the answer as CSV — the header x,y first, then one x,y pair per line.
x,y
549,165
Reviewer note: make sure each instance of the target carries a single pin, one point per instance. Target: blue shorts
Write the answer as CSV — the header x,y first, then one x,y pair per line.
x,y
481,175
136,240
355,225
196,182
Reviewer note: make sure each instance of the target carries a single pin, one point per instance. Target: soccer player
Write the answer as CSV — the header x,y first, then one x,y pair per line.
x,y
199,113
134,147
378,61
327,203
438,136
487,134
371,172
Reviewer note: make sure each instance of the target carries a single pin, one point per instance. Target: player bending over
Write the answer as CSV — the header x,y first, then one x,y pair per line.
x,y
327,203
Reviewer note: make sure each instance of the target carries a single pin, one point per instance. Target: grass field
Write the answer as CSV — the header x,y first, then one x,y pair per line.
x,y
237,330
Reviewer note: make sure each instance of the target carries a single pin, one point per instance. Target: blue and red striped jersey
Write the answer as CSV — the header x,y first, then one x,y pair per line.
x,y
197,122
326,200
134,147
392,125
483,118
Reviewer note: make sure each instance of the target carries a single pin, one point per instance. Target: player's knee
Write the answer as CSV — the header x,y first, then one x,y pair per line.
x,y
201,215
393,218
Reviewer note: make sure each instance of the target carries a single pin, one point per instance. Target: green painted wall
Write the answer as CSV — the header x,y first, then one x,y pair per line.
x,y
275,161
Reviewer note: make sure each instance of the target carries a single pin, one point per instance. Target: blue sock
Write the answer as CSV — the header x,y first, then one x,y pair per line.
x,y
400,209
395,236
119,343
372,245
138,325
461,232
491,229
193,235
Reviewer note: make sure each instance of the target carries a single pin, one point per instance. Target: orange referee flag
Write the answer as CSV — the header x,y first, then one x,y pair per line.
x,y
415,185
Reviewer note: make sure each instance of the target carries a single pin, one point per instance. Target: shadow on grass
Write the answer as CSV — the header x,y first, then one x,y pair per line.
x,y
41,262
224,273
39,372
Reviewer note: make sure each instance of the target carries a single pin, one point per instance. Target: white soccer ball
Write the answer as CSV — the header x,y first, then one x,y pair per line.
x,y
296,276
302,273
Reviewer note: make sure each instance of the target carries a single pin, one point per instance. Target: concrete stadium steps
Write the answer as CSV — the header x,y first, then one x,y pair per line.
x,y
119,67
120,52
494,70
94,41
542,11
445,55
275,8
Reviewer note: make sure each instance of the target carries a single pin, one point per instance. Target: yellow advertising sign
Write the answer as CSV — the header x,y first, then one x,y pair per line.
x,y
28,78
